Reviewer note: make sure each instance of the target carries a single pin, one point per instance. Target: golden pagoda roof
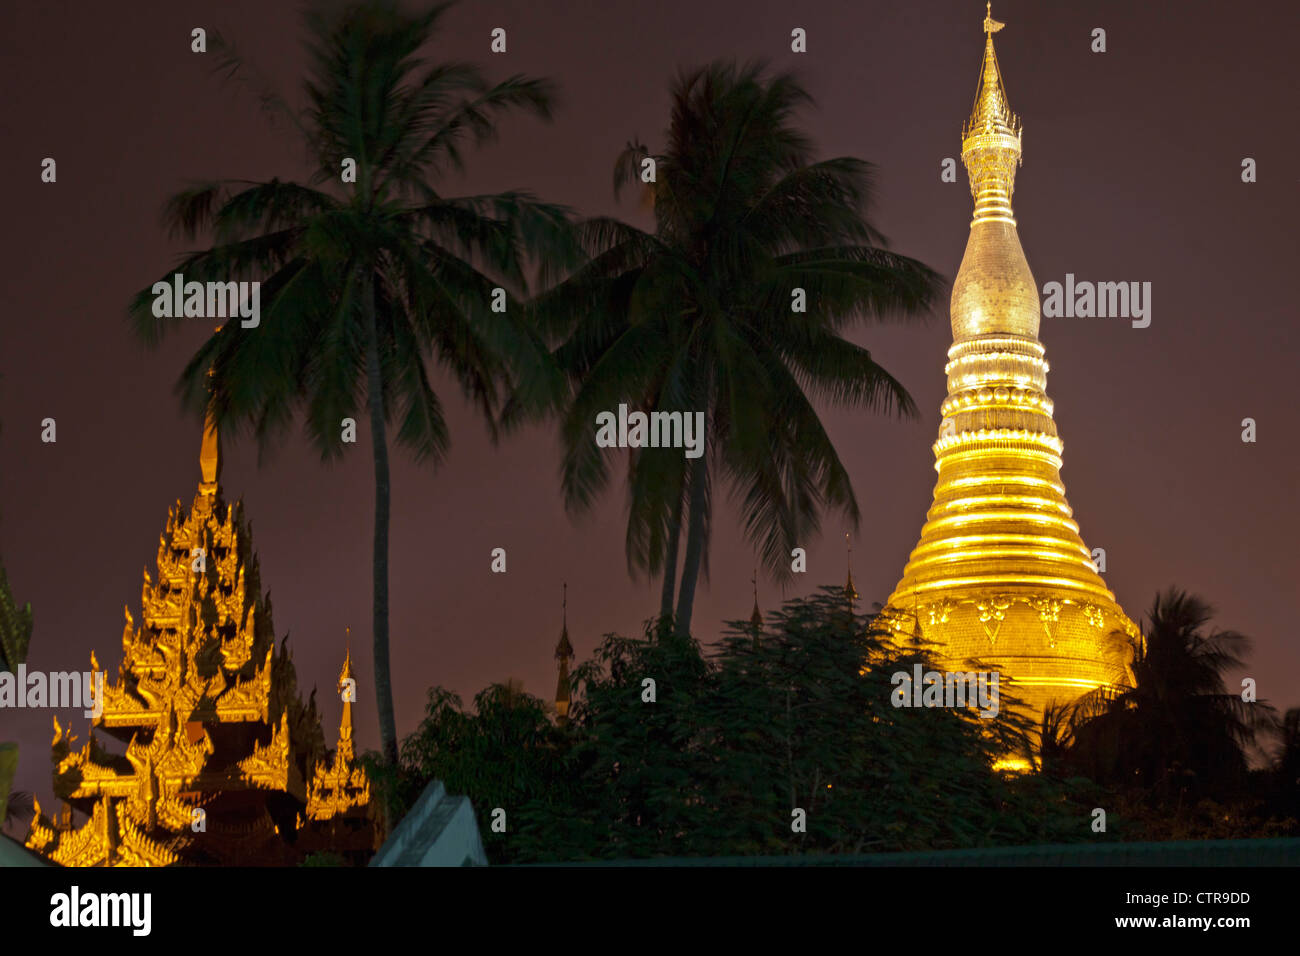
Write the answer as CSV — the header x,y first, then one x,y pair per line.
x,y
206,706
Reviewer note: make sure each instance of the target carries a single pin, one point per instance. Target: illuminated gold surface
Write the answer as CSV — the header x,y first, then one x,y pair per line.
x,y
343,785
208,709
1001,573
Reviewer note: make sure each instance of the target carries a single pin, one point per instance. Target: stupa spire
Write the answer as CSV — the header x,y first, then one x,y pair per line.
x,y
991,110
850,591
991,139
340,788
210,457
210,450
563,654
345,725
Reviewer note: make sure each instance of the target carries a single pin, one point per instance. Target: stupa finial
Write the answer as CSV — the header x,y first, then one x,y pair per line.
x,y
210,450
563,653
991,139
991,112
991,25
345,748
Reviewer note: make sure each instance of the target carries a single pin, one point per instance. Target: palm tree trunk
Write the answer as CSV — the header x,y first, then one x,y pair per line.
x,y
694,546
670,560
383,493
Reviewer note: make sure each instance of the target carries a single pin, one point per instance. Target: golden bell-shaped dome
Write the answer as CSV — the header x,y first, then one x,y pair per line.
x,y
994,292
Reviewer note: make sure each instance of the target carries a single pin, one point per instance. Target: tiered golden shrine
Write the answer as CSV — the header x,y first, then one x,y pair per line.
x,y
1001,573
223,763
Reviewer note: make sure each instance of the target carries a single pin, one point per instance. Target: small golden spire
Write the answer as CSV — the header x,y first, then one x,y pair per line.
x,y
210,456
991,139
563,652
849,590
756,618
210,450
345,748
347,658
991,113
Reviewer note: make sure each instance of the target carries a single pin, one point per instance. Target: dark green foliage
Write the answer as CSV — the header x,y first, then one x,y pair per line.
x,y
1179,733
645,768
1173,752
323,858
731,744
806,725
506,753
15,637
1286,770
15,627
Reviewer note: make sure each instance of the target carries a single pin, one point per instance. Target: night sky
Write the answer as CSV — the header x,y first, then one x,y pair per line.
x,y
1132,172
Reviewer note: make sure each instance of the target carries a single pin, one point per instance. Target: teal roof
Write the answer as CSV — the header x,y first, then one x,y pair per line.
x,y
1270,852
13,853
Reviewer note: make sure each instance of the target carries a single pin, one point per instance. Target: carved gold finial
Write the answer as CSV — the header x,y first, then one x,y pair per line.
x,y
991,140
210,451
991,25
990,112
210,455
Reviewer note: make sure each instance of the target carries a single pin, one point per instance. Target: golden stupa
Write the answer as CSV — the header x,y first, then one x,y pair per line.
x,y
1000,574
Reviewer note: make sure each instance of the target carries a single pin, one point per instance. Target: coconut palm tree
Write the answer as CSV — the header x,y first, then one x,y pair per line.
x,y
1287,763
1178,727
735,307
365,277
